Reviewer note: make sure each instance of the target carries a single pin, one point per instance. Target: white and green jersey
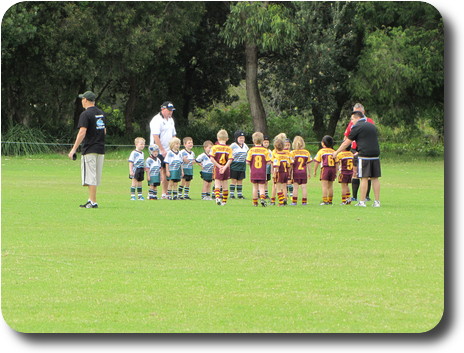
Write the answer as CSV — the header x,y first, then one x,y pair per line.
x,y
138,158
188,167
154,167
239,153
174,160
206,164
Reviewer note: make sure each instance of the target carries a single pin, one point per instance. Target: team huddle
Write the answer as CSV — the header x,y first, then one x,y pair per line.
x,y
287,166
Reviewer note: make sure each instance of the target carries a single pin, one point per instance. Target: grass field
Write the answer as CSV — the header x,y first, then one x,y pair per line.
x,y
192,266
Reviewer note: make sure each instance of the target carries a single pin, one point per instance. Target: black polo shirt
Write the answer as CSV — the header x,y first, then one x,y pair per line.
x,y
95,121
366,136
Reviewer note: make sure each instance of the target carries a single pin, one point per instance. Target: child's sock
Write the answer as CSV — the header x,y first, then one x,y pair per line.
x,y
239,190
304,201
180,190
132,191
281,197
294,199
225,195
217,193
139,192
232,190
255,202
186,191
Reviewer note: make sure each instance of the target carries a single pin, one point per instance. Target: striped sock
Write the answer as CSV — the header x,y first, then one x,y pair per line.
x,y
132,191
232,190
139,192
281,197
217,193
239,190
186,191
225,195
304,201
295,199
255,202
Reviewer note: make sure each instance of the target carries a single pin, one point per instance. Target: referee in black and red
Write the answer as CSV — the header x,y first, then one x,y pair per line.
x,y
366,136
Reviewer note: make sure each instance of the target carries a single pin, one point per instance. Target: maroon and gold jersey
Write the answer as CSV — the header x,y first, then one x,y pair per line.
x,y
301,158
345,158
258,158
282,162
221,153
325,157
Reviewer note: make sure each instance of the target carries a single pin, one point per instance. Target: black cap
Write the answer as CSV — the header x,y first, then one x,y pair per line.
x,y
89,95
168,106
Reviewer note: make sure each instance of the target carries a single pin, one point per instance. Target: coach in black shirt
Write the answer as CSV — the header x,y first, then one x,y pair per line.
x,y
366,137
92,131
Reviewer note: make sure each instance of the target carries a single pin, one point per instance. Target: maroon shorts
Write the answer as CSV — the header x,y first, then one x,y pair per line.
x,y
219,176
258,181
345,178
281,177
328,173
300,181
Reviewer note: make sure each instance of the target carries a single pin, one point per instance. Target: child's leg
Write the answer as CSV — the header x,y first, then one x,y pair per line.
x,y
174,190
233,183
181,187
273,193
169,190
262,193
295,193
225,191
217,190
330,191
304,194
325,191
133,188
139,190
281,188
345,192
239,189
186,189
255,194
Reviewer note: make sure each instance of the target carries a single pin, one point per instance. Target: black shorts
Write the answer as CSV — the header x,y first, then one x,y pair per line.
x,y
139,174
369,167
187,177
236,174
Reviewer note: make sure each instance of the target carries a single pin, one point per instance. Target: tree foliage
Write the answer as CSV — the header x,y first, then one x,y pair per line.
x,y
307,59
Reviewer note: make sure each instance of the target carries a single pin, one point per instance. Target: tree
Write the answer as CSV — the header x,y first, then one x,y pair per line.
x,y
258,27
401,71
312,77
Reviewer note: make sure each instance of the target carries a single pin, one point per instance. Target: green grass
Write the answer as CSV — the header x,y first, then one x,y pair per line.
x,y
192,266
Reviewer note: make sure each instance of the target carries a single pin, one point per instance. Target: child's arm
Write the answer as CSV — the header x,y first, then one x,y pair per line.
x,y
316,165
168,173
131,168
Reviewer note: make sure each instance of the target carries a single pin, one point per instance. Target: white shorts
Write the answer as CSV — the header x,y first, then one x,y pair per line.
x,y
91,168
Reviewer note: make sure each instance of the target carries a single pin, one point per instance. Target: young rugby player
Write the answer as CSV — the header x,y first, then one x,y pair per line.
x,y
328,169
136,168
221,156
300,170
258,159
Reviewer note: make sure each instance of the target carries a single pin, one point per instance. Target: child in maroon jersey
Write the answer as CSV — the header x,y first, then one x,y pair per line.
x,y
258,159
328,169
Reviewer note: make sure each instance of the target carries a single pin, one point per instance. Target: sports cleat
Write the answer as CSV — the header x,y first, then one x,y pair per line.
x,y
187,198
133,198
293,204
89,204
240,197
324,204
141,198
360,204
376,204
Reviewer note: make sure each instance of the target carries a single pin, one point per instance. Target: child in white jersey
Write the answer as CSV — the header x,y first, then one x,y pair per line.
x,y
136,168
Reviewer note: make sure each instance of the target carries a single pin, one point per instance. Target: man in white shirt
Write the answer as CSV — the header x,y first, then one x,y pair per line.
x,y
162,130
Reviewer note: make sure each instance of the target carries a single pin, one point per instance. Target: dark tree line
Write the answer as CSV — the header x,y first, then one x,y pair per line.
x,y
309,58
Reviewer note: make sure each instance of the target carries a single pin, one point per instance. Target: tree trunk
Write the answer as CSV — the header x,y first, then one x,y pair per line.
x,y
254,98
